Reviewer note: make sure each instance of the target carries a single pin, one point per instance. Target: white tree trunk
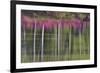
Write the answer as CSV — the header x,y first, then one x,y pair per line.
x,y
80,37
69,42
34,42
42,49
55,44
25,51
58,41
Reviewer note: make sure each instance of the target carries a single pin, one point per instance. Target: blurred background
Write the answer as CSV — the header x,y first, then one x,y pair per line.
x,y
54,36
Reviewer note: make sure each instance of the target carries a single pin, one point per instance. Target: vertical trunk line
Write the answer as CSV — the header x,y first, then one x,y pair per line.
x,y
34,42
25,52
69,43
55,43
80,37
58,41
42,43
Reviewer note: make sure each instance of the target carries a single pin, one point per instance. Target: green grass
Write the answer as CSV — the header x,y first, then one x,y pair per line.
x,y
50,47
46,58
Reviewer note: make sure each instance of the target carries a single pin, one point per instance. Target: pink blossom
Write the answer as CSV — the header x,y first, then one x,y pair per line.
x,y
29,22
